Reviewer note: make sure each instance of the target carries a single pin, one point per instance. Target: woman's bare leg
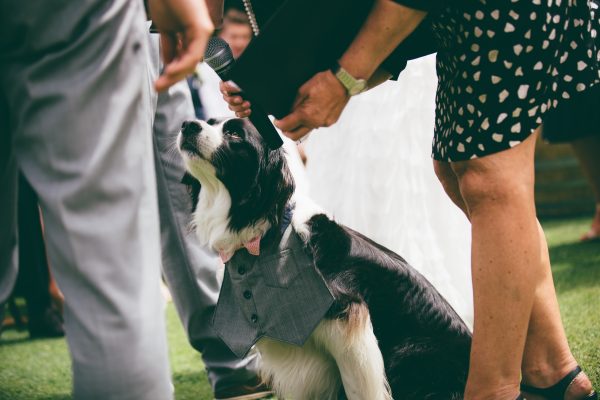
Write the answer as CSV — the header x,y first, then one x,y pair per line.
x,y
506,266
546,357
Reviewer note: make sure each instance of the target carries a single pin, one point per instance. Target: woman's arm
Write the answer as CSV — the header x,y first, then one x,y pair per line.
x,y
320,101
388,24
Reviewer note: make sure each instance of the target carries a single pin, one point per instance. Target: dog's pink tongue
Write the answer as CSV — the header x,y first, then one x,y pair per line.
x,y
252,246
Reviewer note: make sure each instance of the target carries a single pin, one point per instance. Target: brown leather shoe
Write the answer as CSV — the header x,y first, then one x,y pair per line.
x,y
252,390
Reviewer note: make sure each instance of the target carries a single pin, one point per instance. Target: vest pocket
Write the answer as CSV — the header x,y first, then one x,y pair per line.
x,y
280,270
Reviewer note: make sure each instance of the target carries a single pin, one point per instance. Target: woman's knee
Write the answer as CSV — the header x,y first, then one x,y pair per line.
x,y
485,186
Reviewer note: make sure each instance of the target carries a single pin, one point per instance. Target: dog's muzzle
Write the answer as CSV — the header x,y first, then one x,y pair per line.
x,y
190,128
189,136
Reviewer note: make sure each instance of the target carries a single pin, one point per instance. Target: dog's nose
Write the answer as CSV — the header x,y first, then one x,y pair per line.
x,y
189,128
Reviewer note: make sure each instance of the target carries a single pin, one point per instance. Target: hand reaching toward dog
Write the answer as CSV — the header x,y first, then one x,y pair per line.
x,y
185,27
319,102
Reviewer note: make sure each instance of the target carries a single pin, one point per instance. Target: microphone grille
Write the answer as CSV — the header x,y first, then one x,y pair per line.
x,y
218,55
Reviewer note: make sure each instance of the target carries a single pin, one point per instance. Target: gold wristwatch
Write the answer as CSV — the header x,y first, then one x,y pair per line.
x,y
353,85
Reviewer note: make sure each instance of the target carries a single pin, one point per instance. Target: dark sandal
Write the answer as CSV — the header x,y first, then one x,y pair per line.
x,y
558,391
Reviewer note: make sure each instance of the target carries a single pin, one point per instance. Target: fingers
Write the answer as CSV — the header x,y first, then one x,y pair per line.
x,y
243,114
294,126
177,67
235,102
242,110
299,133
229,87
289,123
238,105
181,57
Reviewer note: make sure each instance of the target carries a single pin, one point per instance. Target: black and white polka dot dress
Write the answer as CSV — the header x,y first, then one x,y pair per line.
x,y
503,64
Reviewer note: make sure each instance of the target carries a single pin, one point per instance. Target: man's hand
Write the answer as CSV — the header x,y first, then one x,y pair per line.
x,y
319,102
185,27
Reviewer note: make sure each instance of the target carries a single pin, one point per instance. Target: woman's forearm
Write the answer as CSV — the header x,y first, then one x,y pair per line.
x,y
387,25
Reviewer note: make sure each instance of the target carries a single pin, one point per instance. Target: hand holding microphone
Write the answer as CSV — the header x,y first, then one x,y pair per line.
x,y
218,56
232,94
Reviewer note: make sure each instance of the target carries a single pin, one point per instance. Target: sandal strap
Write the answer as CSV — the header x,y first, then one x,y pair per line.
x,y
556,391
592,396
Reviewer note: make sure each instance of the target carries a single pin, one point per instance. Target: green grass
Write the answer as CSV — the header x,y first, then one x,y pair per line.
x,y
576,269
39,369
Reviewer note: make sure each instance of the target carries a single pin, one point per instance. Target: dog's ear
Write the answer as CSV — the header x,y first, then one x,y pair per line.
x,y
287,184
285,187
193,188
251,195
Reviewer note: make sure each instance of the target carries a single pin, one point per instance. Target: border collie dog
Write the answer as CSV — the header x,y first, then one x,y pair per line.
x,y
388,333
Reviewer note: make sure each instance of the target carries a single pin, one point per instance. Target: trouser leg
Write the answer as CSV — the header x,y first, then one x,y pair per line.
x,y
77,87
8,207
34,279
190,269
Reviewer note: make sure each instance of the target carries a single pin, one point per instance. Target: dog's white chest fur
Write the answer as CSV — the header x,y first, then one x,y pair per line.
x,y
211,220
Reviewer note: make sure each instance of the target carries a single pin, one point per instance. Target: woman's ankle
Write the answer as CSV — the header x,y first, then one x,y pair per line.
x,y
545,373
547,376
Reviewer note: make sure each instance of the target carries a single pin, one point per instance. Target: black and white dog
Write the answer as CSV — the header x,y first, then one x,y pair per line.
x,y
390,334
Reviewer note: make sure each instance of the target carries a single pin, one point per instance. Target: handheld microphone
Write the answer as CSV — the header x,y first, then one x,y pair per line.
x,y
218,56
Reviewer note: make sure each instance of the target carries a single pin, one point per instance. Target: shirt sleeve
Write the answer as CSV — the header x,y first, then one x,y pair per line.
x,y
418,44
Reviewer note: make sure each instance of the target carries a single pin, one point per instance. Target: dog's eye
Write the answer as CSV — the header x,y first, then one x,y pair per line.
x,y
233,134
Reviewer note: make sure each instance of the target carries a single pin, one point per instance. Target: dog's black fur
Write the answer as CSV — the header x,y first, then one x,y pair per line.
x,y
424,343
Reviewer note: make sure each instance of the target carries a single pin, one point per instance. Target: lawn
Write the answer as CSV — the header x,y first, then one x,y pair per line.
x,y
39,369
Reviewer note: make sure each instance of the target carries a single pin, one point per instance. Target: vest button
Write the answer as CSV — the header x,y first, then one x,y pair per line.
x,y
241,270
247,294
254,318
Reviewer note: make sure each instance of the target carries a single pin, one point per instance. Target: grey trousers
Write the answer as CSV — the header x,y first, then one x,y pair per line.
x,y
73,107
189,269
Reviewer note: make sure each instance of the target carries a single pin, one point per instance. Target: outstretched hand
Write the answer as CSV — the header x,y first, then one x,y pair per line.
x,y
319,102
185,27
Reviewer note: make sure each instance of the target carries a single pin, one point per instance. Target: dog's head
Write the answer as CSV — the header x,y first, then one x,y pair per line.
x,y
233,155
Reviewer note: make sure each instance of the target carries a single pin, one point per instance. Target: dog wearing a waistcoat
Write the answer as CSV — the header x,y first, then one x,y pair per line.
x,y
333,314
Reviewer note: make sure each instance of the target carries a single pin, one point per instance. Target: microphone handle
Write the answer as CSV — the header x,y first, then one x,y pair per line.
x,y
263,124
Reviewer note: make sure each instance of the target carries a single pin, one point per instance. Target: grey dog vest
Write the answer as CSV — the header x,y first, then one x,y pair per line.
x,y
279,294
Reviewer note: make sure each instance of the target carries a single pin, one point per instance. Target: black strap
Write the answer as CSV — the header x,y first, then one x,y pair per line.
x,y
556,391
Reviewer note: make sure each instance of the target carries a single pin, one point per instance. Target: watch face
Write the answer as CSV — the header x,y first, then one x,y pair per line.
x,y
353,86
358,87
